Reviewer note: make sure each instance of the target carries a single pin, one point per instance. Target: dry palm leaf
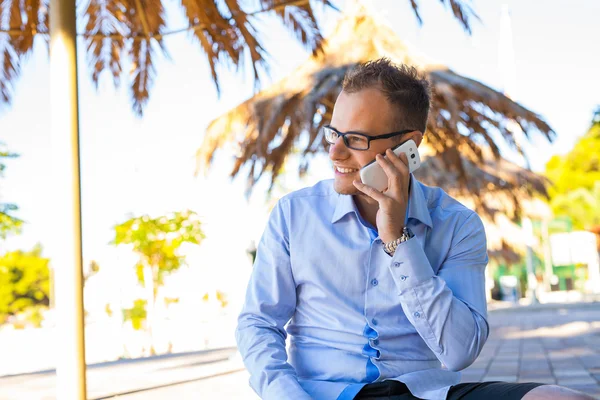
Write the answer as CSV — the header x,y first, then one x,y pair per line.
x,y
119,31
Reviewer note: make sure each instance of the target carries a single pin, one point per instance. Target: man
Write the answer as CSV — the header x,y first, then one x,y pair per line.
x,y
385,290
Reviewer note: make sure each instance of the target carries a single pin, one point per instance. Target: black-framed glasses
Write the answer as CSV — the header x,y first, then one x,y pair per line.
x,y
356,140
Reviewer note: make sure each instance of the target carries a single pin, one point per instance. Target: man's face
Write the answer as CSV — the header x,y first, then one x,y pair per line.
x,y
366,111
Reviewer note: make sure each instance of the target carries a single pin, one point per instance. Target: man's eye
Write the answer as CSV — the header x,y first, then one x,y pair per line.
x,y
356,139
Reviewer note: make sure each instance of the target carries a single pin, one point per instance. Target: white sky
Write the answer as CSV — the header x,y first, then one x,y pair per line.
x,y
137,166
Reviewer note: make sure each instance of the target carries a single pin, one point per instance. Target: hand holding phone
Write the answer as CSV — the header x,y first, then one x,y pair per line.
x,y
373,175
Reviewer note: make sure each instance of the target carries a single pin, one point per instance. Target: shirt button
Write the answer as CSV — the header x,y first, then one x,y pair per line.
x,y
374,321
417,314
397,264
374,282
403,277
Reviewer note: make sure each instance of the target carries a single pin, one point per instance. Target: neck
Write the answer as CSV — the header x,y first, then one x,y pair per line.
x,y
367,207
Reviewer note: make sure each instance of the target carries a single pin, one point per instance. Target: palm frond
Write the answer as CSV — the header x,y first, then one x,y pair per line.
x,y
415,7
217,38
23,17
248,33
44,21
143,73
9,72
104,52
462,12
302,22
460,9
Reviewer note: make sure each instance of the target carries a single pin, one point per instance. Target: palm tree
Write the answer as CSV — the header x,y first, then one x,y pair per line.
x,y
118,31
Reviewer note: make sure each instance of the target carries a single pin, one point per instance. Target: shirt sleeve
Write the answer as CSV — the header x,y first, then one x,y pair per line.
x,y
449,309
270,303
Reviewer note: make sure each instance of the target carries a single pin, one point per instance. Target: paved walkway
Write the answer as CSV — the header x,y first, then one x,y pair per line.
x,y
145,376
556,345
549,344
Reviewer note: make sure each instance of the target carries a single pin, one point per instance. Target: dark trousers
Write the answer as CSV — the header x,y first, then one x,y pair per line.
x,y
394,390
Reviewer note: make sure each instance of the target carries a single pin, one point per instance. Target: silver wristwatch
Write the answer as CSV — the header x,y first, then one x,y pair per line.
x,y
390,247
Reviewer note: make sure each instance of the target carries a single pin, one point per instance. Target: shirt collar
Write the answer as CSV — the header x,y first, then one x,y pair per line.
x,y
417,205
344,205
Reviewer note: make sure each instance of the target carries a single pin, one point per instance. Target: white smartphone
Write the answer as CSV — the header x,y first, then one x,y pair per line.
x,y
373,175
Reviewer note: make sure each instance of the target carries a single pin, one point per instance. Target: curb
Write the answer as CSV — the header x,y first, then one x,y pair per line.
x,y
546,307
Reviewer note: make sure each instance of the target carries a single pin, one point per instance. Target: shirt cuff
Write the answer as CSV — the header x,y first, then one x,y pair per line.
x,y
286,387
410,266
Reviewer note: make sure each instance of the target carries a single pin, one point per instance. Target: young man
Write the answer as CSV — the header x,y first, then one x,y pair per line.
x,y
385,290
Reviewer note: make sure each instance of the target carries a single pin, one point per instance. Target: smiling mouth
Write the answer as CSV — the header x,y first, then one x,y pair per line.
x,y
345,170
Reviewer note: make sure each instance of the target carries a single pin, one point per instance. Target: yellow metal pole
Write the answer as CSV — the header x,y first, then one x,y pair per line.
x,y
67,257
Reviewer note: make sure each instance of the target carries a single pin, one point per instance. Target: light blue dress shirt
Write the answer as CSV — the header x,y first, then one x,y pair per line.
x,y
357,315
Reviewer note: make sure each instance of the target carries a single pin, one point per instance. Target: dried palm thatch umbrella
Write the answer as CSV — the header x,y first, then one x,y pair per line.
x,y
501,192
493,185
465,115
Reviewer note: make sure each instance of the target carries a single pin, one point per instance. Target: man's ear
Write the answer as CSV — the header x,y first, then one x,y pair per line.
x,y
417,136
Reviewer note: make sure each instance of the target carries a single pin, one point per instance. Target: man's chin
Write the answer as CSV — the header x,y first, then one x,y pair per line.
x,y
344,188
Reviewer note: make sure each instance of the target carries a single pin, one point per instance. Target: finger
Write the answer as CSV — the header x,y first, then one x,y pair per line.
x,y
370,191
390,170
396,178
400,162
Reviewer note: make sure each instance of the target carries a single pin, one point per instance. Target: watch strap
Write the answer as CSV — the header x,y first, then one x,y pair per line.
x,y
390,247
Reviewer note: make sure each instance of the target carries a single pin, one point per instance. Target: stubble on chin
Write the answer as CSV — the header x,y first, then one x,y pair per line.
x,y
343,188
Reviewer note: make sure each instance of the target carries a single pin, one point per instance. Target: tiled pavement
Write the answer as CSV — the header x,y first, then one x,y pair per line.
x,y
555,345
549,344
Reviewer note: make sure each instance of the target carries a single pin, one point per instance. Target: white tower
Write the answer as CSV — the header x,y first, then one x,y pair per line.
x,y
508,69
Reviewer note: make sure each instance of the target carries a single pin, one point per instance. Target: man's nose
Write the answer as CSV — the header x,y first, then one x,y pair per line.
x,y
337,149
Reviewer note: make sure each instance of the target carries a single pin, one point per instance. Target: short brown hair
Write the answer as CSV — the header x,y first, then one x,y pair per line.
x,y
402,85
